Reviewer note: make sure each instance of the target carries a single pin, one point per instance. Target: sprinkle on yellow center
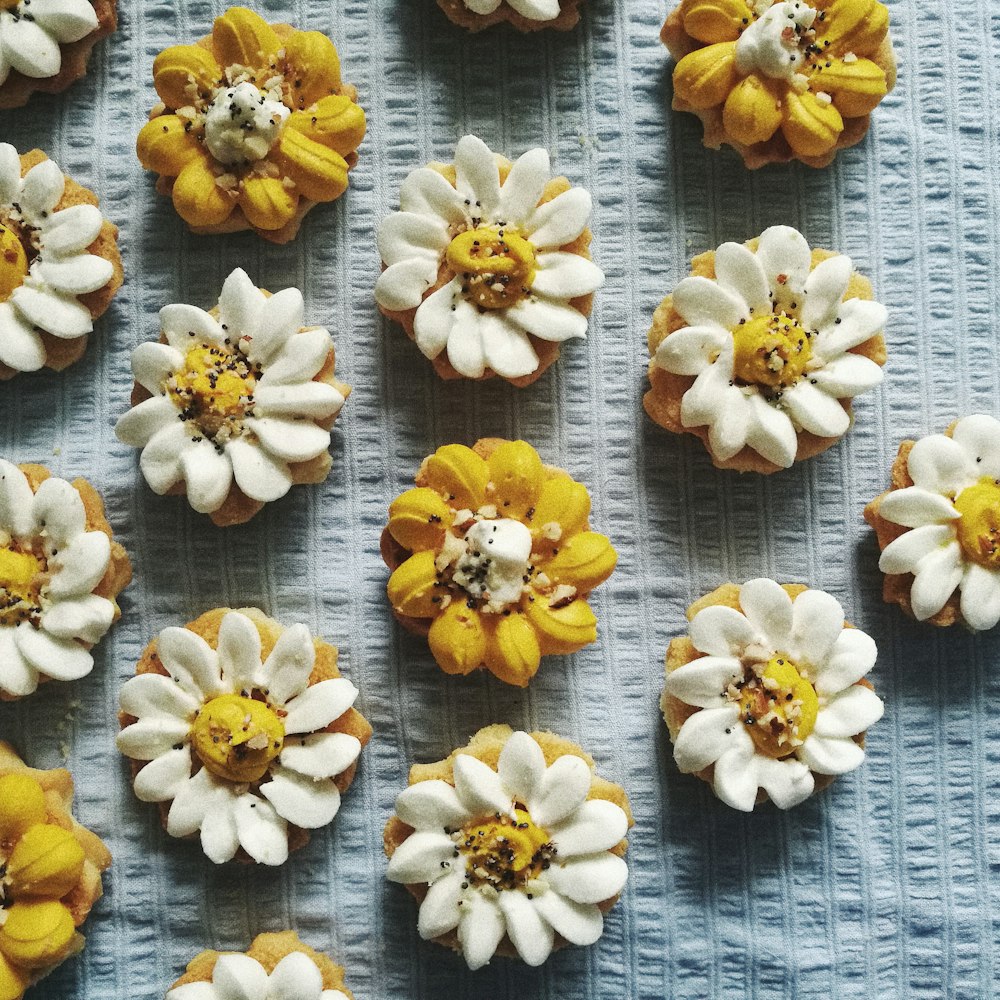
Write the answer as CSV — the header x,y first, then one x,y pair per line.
x,y
237,737
779,708
978,527
771,349
506,852
22,576
497,265
215,390
13,259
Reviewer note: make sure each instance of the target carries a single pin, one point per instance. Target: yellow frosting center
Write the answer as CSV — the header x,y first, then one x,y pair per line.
x,y
497,265
215,389
978,527
779,708
13,259
506,852
237,737
21,578
771,349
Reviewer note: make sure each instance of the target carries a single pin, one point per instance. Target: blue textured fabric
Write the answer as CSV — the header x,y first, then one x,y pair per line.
x,y
886,886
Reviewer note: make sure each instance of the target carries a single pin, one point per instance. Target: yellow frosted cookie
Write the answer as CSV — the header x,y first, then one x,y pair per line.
x,y
792,79
51,873
254,128
493,559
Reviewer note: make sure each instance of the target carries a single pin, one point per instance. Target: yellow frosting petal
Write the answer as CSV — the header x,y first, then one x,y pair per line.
x,y
183,73
198,198
267,203
752,112
13,981
413,584
703,78
242,38
22,805
857,26
319,172
166,146
459,474
561,630
417,519
714,20
457,639
562,501
37,933
46,861
313,59
336,121
513,652
857,87
811,127
584,561
517,475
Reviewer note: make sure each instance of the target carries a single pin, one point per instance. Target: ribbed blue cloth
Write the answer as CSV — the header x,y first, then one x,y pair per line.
x,y
884,887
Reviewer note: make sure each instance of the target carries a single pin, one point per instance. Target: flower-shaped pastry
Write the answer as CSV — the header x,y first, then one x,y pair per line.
x,y
254,129
50,873
275,967
59,264
60,577
486,264
792,79
765,697
512,846
761,350
45,44
244,731
493,559
234,406
938,526
525,15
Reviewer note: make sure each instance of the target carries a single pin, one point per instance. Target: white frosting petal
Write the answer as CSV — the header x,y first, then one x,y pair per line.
x,y
160,460
16,501
734,778
190,804
481,930
465,344
598,825
438,314
857,320
904,554
767,606
209,476
191,662
579,923
150,738
707,735
979,435
482,6
153,696
162,779
426,192
722,631
239,652
770,432
936,578
784,252
239,977
431,805
10,171
280,319
817,621
290,440
853,654
152,365
477,176
296,977
79,566
319,705
21,347
523,188
188,326
537,10
87,618
980,604
418,859
850,712
563,275
815,411
703,681
193,991
41,188
73,229
60,315
506,348
728,430
263,834
137,427
75,275
316,400
787,782
521,767
440,912
259,475
701,302
302,357
408,235
321,755
848,376
563,790
739,272
241,304
65,20
219,838
479,787
940,465
531,935
547,320
690,350
286,671
591,879
401,286
829,755
306,802
912,507
561,220
17,676
824,289
59,659
58,508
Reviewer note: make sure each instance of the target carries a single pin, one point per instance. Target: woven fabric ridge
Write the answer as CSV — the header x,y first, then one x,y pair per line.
x,y
885,886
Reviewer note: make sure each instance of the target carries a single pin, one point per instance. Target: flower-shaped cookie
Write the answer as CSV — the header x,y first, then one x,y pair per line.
x,y
244,730
525,15
45,44
794,79
512,846
765,697
486,264
50,873
275,967
254,129
938,526
761,350
233,407
493,559
60,577
59,264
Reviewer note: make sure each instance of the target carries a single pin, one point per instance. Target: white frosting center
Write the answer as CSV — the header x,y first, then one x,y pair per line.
x,y
774,44
495,561
242,124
